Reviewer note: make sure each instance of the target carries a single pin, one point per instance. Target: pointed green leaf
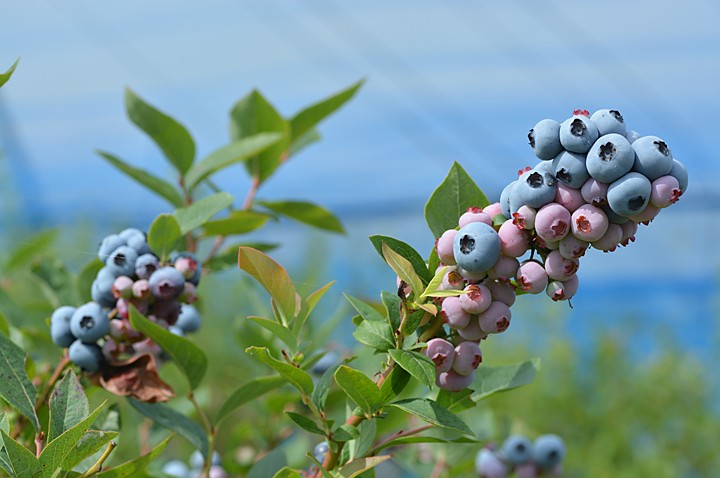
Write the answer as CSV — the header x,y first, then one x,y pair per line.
x,y
361,445
164,234
356,467
132,467
346,433
147,179
455,401
322,387
307,213
248,392
188,356
298,144
286,472
417,365
88,445
68,405
269,464
367,311
402,268
309,117
431,412
308,304
361,390
279,330
490,380
237,222
451,199
240,150
4,77
166,417
298,377
273,277
392,305
405,250
15,386
307,424
433,285
196,214
172,137
4,459
22,461
394,384
378,335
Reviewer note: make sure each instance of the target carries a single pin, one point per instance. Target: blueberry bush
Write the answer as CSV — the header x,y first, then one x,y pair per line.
x,y
106,366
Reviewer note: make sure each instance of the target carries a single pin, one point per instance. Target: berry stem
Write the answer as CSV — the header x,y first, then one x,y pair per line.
x,y
250,197
399,434
97,467
61,366
209,428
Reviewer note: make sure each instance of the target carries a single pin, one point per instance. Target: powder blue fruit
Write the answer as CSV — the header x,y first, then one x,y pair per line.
x,y
630,194
60,326
517,449
89,322
189,318
320,451
653,158
176,469
609,121
534,189
197,461
611,157
578,134
544,139
679,172
101,289
145,265
548,451
109,244
505,199
489,465
570,169
86,356
121,261
166,283
476,247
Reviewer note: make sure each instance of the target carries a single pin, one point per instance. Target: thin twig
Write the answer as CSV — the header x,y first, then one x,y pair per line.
x,y
61,366
39,438
395,436
439,468
97,467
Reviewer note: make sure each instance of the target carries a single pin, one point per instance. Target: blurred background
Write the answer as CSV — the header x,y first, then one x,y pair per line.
x,y
446,81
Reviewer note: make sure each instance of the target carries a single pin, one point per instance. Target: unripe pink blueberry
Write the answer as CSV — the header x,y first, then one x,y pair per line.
x,y
569,198
442,353
526,470
217,471
141,289
560,268
122,307
496,319
524,218
610,239
187,266
467,358
531,277
444,247
594,192
122,287
472,330
572,248
646,215
452,280
665,191
552,222
474,214
562,290
453,313
502,292
589,223
494,209
147,346
453,381
489,465
476,299
504,269
629,230
514,242
189,293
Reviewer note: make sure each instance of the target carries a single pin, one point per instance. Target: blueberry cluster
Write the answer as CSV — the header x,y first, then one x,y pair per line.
x,y
595,183
99,332
179,469
526,459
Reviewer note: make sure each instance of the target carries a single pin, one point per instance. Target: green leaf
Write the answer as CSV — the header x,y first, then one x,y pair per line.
x,y
166,417
361,445
367,311
413,321
451,199
403,269
22,461
85,278
237,222
4,77
254,114
147,179
298,144
60,447
431,412
455,401
172,137
286,472
322,387
346,433
68,405
15,386
307,213
164,233
248,392
4,459
361,390
269,464
405,250
490,380
305,423
188,356
356,467
4,326
434,283
445,293
299,378
132,467
279,330
240,150
392,305
378,335
89,444
394,384
309,117
307,306
196,214
417,365
29,250
273,277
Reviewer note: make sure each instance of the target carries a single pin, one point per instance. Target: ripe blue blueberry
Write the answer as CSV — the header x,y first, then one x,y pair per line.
x,y
122,261
189,318
570,169
611,157
679,172
489,465
517,449
166,310
166,283
131,232
197,460
548,451
545,139
578,133
630,194
145,265
176,469
139,243
109,244
505,199
653,158
60,326
632,136
89,322
86,356
535,189
101,289
476,247
320,451
609,121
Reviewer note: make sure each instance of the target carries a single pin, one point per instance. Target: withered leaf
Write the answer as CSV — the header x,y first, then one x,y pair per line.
x,y
136,377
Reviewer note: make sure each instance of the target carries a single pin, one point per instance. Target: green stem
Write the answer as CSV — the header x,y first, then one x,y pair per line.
x,y
210,430
97,467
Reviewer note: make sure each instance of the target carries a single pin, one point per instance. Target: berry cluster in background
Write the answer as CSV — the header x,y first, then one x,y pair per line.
x,y
99,333
524,458
193,469
595,182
